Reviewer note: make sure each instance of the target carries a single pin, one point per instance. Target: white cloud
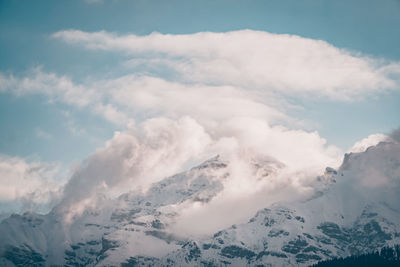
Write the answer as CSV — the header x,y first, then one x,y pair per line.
x,y
217,76
371,140
123,99
371,176
205,103
62,89
160,147
185,124
227,97
111,113
253,60
57,88
137,157
28,185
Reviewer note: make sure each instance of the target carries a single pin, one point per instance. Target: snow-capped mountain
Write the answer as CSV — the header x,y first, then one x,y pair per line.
x,y
353,209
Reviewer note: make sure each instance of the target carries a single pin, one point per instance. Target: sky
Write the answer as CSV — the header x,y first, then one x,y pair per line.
x,y
79,78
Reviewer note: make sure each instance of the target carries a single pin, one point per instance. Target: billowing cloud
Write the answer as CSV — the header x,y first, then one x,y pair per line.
x,y
371,140
135,158
226,95
253,60
28,185
160,147
372,176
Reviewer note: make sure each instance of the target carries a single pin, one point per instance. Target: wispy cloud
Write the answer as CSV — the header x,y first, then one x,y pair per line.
x,y
227,95
29,185
62,89
122,99
253,60
40,133
57,88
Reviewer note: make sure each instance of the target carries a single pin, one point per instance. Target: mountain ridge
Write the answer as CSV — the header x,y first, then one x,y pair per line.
x,y
343,217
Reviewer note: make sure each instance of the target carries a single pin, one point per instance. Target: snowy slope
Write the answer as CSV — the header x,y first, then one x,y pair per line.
x,y
354,209
132,224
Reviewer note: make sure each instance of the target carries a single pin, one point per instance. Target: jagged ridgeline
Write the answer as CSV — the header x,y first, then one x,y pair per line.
x,y
342,218
387,256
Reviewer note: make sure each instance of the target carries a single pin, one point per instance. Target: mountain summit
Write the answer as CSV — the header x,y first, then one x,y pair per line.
x,y
352,210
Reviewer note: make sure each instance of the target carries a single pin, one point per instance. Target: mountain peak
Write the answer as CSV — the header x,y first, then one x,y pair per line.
x,y
341,219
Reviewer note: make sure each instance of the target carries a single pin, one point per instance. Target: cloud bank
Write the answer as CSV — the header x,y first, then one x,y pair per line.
x,y
190,97
28,185
253,60
159,147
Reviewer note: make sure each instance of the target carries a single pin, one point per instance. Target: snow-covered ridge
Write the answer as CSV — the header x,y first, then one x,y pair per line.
x,y
353,210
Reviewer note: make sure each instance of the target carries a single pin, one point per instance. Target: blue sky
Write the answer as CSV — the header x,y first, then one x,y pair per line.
x,y
35,126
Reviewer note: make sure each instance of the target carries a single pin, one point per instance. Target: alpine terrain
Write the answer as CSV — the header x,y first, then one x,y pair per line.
x,y
353,210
